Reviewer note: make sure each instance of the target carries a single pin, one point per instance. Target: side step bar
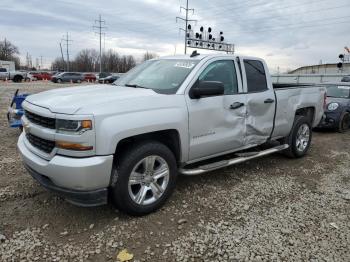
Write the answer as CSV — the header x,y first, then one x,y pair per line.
x,y
224,163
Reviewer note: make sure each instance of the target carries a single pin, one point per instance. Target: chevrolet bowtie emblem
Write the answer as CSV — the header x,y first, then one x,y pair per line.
x,y
26,128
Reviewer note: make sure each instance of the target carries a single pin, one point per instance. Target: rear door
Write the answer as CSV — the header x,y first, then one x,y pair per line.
x,y
217,124
260,104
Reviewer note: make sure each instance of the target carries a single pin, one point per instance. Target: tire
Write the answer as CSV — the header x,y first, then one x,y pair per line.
x,y
17,79
126,192
344,122
299,144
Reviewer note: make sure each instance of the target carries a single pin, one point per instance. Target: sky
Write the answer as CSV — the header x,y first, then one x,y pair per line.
x,y
286,33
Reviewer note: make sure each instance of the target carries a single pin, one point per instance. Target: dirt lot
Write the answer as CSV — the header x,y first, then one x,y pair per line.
x,y
271,209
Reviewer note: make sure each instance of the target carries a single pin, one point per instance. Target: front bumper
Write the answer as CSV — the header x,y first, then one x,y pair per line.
x,y
330,120
82,181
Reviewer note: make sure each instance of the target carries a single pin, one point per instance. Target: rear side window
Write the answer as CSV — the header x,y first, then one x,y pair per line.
x,y
3,70
256,77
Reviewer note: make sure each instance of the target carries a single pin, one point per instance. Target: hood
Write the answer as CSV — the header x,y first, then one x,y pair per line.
x,y
71,100
341,101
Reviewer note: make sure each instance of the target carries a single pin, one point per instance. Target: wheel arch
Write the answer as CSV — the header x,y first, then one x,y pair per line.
x,y
308,112
168,137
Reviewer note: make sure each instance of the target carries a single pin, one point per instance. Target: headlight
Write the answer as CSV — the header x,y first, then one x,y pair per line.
x,y
332,106
73,126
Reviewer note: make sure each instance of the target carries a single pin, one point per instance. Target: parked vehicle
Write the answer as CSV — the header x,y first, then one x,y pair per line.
x,y
90,77
109,79
15,76
42,75
68,77
337,113
172,115
345,79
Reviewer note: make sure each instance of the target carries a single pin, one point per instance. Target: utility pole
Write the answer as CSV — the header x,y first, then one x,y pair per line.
x,y
100,27
186,20
67,43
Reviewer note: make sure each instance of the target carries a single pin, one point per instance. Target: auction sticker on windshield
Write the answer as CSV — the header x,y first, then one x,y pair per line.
x,y
185,64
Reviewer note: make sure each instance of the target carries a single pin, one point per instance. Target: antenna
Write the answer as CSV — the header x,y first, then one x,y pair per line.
x,y
99,26
186,20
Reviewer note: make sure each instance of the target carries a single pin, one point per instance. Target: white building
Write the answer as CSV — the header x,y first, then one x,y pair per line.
x,y
322,69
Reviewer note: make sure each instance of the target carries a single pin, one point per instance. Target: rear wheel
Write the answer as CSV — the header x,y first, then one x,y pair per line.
x,y
299,139
59,80
144,178
344,122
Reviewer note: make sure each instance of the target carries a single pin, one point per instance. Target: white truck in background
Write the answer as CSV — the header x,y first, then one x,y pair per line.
x,y
183,114
8,72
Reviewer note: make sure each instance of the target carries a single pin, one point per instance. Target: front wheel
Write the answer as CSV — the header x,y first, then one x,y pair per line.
x,y
299,139
344,122
144,178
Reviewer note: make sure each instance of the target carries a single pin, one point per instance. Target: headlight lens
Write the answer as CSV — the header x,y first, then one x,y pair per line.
x,y
332,106
73,126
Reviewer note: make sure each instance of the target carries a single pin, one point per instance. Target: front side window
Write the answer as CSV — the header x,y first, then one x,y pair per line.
x,y
222,71
256,76
163,76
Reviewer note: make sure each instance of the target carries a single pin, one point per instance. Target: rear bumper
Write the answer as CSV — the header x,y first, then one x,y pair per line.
x,y
83,181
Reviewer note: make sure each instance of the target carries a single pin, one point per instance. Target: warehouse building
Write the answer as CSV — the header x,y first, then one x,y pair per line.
x,y
322,69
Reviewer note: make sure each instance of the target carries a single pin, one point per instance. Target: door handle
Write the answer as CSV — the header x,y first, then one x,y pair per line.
x,y
269,101
236,105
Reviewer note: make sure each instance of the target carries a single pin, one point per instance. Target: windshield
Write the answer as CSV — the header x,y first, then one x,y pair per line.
x,y
162,76
338,91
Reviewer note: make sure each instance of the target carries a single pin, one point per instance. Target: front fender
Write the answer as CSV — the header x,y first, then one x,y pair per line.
x,y
114,128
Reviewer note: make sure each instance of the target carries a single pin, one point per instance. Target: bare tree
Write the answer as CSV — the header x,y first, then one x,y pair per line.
x,y
87,61
149,55
9,52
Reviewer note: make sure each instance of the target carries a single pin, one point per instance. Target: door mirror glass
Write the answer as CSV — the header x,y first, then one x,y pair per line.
x,y
207,88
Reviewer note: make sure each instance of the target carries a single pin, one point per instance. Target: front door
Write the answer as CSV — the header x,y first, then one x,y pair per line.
x,y
217,124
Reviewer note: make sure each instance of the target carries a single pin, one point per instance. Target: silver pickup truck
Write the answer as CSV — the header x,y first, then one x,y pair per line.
x,y
127,142
15,76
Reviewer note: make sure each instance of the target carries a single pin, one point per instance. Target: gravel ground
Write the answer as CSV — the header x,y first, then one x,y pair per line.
x,y
271,209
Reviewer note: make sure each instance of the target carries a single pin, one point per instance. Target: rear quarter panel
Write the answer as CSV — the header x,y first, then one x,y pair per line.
x,y
289,100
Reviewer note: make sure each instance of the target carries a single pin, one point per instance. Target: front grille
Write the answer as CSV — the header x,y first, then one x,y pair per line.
x,y
44,145
41,120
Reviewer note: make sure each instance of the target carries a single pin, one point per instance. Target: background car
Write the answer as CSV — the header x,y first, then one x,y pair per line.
x,y
68,77
346,79
109,79
41,75
337,112
90,77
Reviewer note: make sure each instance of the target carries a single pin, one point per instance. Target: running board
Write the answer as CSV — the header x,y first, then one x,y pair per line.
x,y
224,163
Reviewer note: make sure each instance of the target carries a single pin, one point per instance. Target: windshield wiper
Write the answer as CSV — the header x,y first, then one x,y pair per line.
x,y
135,86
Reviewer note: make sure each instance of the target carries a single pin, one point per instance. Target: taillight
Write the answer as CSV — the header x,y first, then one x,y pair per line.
x,y
325,101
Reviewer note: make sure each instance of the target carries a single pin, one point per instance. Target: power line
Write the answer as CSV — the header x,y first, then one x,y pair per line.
x,y
252,21
100,31
186,20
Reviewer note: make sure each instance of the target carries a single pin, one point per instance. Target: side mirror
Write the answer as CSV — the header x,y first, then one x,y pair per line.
x,y
206,89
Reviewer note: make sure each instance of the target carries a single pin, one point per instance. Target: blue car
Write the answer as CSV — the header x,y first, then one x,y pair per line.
x,y
337,112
